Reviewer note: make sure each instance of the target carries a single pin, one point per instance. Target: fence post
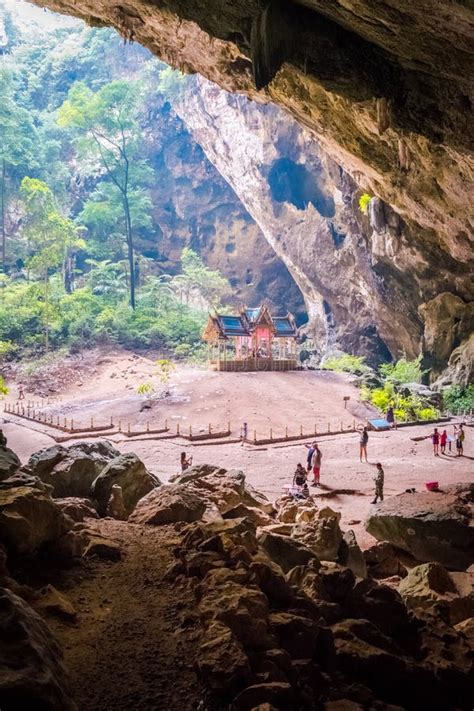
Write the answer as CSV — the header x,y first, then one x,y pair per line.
x,y
342,427
166,424
271,433
190,431
210,428
301,430
177,429
255,436
72,425
128,428
92,423
120,426
148,425
329,426
111,421
286,432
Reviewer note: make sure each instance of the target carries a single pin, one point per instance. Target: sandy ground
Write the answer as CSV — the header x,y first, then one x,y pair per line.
x,y
264,400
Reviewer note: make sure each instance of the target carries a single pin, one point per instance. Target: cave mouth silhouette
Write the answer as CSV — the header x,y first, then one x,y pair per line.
x,y
294,183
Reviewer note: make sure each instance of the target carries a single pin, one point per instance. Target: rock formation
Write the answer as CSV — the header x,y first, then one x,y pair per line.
x,y
281,610
385,89
432,526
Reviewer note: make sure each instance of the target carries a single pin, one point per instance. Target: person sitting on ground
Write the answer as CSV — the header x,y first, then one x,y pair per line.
x,y
391,418
299,478
379,482
316,464
435,440
443,440
460,437
364,438
185,463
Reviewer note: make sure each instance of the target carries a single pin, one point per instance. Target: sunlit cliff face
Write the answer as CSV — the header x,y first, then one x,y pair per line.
x,y
387,92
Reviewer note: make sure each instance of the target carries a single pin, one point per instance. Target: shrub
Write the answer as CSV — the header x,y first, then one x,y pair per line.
x,y
403,371
346,363
364,202
406,407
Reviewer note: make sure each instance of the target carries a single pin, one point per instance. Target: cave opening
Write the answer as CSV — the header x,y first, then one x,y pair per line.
x,y
293,183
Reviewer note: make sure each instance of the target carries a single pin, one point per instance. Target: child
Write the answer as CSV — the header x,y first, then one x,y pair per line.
x,y
443,440
185,463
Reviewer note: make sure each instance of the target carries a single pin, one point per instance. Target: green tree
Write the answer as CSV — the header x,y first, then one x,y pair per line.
x,y
51,238
107,124
18,148
199,282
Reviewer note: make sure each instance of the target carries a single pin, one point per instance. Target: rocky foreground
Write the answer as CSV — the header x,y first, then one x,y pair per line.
x,y
203,594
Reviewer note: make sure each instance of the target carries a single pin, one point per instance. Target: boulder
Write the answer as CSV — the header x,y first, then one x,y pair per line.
x,y
224,489
350,555
29,518
221,659
466,629
76,508
101,547
128,472
286,552
32,675
169,504
297,635
385,561
257,516
71,470
9,462
51,602
322,535
429,584
432,526
276,694
21,478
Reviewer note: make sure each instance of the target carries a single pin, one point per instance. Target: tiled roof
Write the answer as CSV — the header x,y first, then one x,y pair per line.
x,y
233,326
284,326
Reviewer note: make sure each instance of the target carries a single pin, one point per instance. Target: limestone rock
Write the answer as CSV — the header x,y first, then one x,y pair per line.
x,y
32,675
257,516
53,602
128,472
430,583
28,519
169,504
431,526
9,462
284,551
384,560
279,695
71,470
222,661
76,508
101,547
466,628
351,555
297,635
322,535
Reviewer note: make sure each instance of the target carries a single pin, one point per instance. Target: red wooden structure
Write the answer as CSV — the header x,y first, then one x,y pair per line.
x,y
253,339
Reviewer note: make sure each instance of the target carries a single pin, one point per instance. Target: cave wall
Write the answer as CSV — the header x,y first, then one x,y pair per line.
x,y
386,88
194,206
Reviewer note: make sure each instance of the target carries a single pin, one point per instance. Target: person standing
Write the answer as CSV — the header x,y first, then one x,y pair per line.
x,y
391,418
379,482
21,391
435,441
316,464
309,456
460,436
443,440
364,438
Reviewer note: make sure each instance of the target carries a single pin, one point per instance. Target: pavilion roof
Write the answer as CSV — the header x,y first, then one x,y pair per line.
x,y
231,325
285,326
